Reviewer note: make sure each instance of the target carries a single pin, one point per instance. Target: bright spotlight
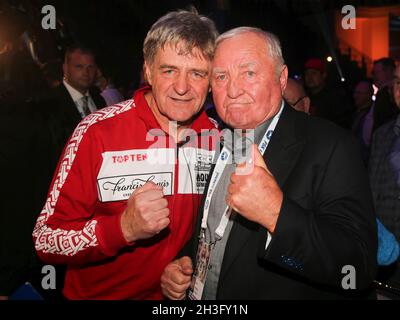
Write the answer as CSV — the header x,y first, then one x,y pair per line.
x,y
329,59
343,79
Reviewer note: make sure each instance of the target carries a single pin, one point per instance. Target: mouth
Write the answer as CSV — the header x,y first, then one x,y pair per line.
x,y
181,100
237,105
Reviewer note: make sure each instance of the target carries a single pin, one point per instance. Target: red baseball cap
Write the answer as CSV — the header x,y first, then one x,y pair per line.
x,y
315,63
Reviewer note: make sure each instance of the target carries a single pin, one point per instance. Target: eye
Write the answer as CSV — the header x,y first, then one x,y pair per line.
x,y
198,75
250,73
220,77
168,71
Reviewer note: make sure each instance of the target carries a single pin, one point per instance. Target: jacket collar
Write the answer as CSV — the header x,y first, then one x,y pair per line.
x,y
280,157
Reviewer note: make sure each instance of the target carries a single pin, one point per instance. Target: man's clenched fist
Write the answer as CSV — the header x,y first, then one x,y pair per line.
x,y
176,278
146,214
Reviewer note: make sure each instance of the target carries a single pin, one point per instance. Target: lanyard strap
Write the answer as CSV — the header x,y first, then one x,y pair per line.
x,y
218,170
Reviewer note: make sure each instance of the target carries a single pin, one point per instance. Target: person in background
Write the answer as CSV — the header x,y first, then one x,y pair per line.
x,y
296,96
326,102
67,104
384,109
384,173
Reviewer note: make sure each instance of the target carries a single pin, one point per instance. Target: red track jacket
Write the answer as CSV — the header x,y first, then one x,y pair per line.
x,y
106,158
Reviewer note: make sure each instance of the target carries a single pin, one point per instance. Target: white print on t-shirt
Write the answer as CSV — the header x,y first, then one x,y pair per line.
x,y
122,172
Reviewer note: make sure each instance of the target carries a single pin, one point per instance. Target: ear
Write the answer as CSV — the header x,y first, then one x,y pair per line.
x,y
147,72
283,78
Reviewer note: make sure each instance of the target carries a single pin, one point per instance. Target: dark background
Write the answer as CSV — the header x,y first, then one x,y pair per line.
x,y
116,29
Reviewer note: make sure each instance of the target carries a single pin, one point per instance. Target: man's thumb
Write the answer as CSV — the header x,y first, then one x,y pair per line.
x,y
257,158
186,265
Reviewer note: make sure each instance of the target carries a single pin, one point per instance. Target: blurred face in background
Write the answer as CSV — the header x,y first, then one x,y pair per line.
x,y
314,79
363,95
80,70
296,97
382,75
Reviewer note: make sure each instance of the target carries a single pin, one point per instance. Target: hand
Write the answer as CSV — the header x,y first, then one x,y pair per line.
x,y
176,278
254,193
146,213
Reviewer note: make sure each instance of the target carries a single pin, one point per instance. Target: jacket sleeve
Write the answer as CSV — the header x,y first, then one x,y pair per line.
x,y
67,231
335,233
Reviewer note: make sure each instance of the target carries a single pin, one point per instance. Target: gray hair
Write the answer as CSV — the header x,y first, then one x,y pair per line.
x,y
272,42
184,28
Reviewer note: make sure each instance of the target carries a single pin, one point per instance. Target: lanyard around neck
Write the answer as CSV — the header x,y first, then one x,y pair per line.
x,y
222,161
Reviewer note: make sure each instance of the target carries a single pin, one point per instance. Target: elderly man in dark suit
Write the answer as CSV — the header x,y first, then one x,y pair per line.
x,y
384,171
296,221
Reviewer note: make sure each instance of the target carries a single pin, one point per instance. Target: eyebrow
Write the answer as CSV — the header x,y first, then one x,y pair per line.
x,y
241,66
167,66
246,65
204,71
170,66
218,70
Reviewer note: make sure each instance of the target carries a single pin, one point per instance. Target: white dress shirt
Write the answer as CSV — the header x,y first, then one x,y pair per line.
x,y
77,97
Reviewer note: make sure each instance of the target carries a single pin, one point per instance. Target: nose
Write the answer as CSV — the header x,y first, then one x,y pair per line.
x,y
234,88
181,84
86,72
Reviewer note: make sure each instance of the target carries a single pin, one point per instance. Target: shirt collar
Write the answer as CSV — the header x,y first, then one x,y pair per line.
x,y
252,136
75,94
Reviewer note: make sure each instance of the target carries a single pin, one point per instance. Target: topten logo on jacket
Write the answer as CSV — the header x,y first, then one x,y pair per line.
x,y
122,172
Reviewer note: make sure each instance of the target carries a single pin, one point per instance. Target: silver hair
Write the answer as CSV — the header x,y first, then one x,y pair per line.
x,y
185,30
272,42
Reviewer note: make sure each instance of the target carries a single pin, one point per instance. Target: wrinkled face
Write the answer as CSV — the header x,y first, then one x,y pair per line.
x,y
180,83
80,70
396,86
313,79
245,87
362,95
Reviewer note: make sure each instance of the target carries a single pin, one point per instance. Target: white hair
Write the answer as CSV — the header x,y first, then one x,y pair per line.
x,y
272,42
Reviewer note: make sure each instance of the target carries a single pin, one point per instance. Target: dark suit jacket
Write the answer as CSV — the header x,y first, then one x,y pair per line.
x,y
326,221
62,117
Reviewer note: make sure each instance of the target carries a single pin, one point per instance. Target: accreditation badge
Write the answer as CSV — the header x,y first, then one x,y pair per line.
x,y
200,272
